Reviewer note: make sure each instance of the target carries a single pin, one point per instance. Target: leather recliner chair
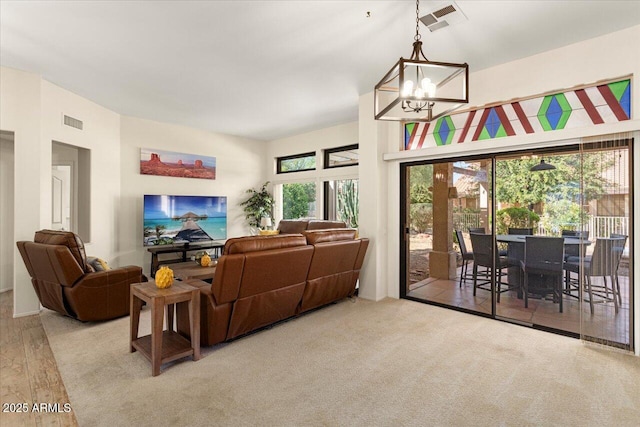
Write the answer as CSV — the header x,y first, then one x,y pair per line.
x,y
64,282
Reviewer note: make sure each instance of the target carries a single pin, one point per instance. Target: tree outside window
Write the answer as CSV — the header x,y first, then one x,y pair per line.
x,y
299,200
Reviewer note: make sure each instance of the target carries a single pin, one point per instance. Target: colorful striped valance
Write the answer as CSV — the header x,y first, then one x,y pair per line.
x,y
586,106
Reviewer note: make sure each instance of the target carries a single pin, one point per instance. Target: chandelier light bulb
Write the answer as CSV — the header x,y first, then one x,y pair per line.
x,y
407,88
431,90
419,93
428,87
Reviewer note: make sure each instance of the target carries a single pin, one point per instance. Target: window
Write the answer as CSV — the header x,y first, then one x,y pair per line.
x,y
296,163
299,200
341,201
341,156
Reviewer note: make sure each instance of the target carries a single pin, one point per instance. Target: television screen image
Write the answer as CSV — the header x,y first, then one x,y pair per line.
x,y
184,219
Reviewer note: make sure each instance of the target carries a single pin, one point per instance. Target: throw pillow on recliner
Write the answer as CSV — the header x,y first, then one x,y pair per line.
x,y
98,264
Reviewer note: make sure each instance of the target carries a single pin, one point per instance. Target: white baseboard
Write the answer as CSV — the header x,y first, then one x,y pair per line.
x,y
30,313
5,290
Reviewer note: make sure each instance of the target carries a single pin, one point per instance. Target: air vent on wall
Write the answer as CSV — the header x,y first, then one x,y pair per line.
x,y
74,123
443,14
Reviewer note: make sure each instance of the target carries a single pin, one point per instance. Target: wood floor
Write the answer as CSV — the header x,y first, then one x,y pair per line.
x,y
29,374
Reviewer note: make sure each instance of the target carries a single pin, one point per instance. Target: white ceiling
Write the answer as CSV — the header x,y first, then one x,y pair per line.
x,y
270,69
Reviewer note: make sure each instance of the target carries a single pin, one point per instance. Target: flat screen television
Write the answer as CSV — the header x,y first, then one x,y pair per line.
x,y
184,219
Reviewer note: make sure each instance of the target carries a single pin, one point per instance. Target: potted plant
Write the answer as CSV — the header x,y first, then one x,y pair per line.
x,y
259,205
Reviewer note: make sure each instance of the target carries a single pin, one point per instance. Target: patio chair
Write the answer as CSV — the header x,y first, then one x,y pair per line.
x,y
619,251
575,233
476,230
521,231
575,250
466,257
483,247
543,260
602,263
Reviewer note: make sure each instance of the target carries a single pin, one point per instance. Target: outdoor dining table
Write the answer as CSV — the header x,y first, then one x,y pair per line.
x,y
515,254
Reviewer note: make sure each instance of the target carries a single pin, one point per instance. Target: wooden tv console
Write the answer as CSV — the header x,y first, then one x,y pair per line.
x,y
217,247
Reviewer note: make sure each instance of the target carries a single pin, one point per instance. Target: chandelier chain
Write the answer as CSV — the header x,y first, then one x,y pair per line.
x,y
417,37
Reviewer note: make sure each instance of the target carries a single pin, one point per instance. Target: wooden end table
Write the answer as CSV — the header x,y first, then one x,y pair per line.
x,y
163,346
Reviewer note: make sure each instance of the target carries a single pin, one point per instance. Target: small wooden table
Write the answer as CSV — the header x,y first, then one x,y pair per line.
x,y
192,270
163,346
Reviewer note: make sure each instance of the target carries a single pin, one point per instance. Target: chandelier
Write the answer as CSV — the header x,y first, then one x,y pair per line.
x,y
420,90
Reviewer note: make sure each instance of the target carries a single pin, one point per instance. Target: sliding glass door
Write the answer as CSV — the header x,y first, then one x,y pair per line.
x,y
605,276
540,222
545,241
444,202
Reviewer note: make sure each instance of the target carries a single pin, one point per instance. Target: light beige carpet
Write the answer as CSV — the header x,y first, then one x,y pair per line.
x,y
391,363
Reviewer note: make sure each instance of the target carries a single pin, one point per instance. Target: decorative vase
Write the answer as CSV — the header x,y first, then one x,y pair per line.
x,y
198,256
205,260
164,277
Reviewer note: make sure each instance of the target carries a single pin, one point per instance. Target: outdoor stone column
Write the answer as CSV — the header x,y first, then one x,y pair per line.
x,y
442,259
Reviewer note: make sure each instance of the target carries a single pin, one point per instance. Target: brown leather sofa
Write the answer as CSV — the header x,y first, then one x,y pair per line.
x,y
64,282
297,226
335,266
261,280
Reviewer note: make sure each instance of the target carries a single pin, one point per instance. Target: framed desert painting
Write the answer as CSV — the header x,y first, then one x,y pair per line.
x,y
168,163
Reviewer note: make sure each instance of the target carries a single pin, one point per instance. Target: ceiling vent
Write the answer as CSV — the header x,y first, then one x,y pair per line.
x,y
443,14
74,123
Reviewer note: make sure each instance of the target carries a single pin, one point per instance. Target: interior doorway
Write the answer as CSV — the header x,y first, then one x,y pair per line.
x,y
7,245
71,189
62,197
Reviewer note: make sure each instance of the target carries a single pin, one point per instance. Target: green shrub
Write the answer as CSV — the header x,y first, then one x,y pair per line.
x,y
563,215
515,217
421,217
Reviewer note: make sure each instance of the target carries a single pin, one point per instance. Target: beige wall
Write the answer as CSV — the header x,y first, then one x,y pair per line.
x,y
100,135
20,113
239,166
32,108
